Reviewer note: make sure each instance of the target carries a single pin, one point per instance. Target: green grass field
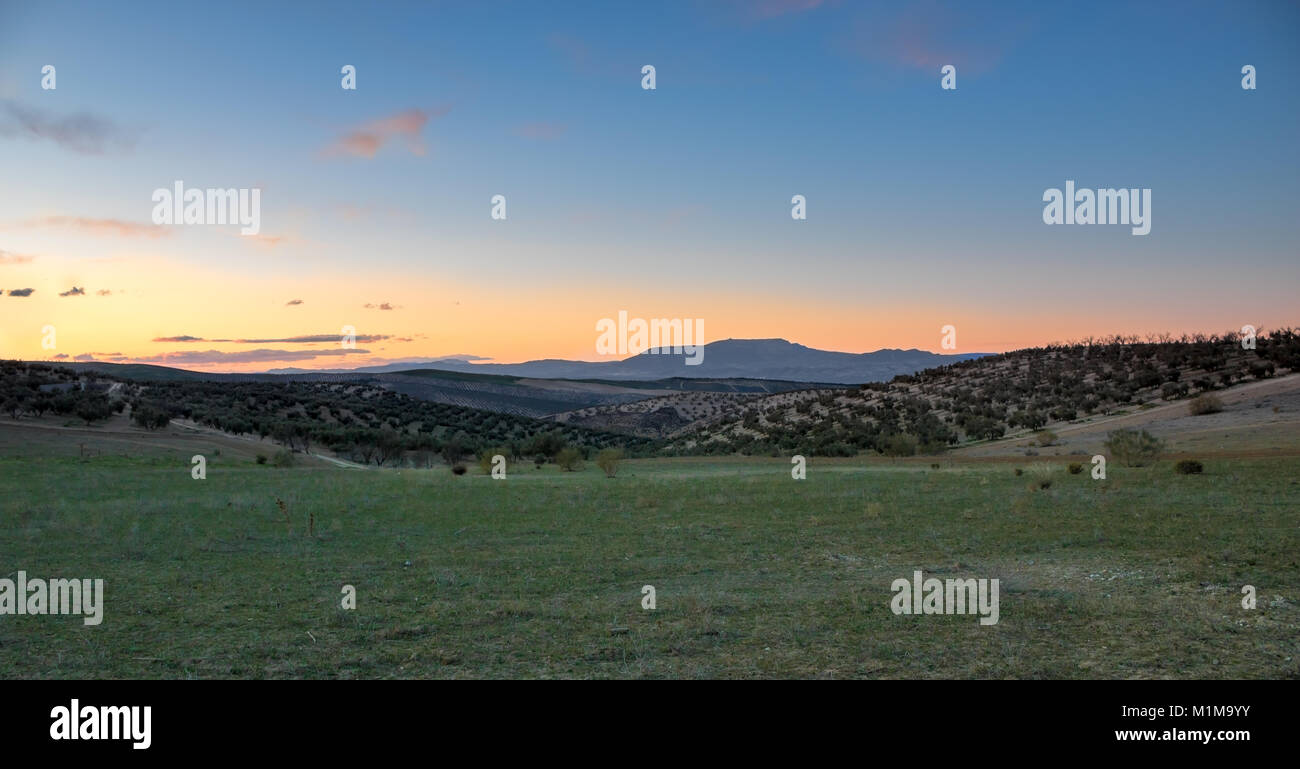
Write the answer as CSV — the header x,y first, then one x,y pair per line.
x,y
756,574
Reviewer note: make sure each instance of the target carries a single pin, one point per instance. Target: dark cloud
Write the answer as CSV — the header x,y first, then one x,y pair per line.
x,y
309,339
74,291
22,291
293,302
245,356
81,132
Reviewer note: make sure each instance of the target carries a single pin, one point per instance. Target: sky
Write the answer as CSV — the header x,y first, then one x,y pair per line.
x,y
924,205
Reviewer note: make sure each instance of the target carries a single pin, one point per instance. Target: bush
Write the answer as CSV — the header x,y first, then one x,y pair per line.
x,y
1205,404
569,459
485,458
899,445
1134,448
1188,467
261,459
608,460
1045,437
1075,468
283,458
458,469
1019,472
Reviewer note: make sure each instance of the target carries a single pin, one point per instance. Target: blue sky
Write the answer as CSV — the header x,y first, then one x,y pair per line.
x,y
676,200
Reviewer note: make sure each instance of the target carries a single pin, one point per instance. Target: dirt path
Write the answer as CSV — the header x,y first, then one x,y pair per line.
x,y
214,431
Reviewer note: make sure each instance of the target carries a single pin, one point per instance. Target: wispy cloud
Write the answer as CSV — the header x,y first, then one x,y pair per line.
x,y
9,257
541,130
293,303
81,132
192,357
270,241
308,339
404,127
113,227
927,34
770,9
104,292
381,306
74,291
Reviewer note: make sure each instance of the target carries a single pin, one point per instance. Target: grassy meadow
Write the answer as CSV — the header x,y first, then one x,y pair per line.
x,y
756,574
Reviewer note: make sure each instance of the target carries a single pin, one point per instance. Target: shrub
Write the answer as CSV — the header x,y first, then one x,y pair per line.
x,y
485,458
1075,468
1045,437
899,445
1204,404
1188,467
283,458
934,465
569,459
458,469
539,460
261,459
608,460
1019,472
1134,448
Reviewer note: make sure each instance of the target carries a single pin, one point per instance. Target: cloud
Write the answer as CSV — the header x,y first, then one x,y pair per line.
x,y
293,303
9,257
576,51
85,356
926,35
104,292
381,306
309,339
270,241
60,356
22,292
541,130
81,132
313,339
117,227
245,356
770,9
74,291
366,141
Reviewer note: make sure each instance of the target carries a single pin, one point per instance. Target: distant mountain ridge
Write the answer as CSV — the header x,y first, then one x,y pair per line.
x,y
728,358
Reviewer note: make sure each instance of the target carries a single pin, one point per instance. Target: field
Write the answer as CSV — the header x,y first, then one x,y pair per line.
x,y
756,574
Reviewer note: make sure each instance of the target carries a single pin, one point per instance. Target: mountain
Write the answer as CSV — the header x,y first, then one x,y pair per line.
x,y
726,359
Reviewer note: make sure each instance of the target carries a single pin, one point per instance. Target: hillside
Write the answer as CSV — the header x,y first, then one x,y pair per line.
x,y
987,398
